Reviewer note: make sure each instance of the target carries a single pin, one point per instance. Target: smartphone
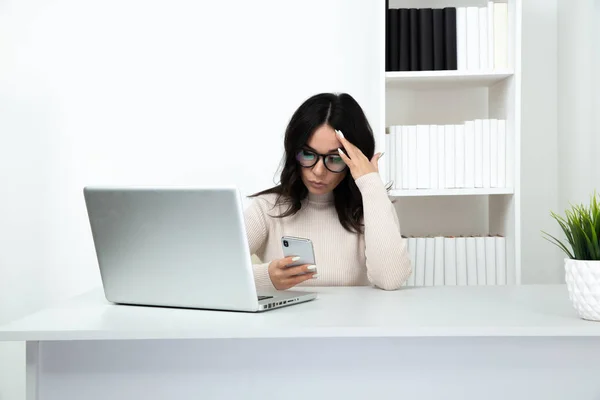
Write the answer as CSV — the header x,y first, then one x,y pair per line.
x,y
301,247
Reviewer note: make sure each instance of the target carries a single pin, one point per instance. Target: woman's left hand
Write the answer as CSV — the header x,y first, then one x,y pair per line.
x,y
358,163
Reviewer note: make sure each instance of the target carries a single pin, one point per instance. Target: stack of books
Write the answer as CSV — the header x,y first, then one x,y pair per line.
x,y
468,155
451,38
457,260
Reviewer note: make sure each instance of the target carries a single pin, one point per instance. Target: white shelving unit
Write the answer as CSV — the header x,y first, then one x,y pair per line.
x,y
450,192
445,79
452,97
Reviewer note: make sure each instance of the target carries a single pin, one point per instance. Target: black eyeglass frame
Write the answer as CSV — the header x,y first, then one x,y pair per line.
x,y
319,157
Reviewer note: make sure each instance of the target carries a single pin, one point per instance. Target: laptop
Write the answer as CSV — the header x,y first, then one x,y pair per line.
x,y
177,247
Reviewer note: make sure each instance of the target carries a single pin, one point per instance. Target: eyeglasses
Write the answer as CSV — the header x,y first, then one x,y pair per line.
x,y
309,158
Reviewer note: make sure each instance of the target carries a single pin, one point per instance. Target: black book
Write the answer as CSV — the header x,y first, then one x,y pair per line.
x,y
404,35
387,35
450,38
439,46
415,55
394,40
426,38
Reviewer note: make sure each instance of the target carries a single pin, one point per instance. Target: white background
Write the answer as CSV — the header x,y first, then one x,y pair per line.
x,y
149,92
187,92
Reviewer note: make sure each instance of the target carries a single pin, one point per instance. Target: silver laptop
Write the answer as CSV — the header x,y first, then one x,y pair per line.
x,y
177,247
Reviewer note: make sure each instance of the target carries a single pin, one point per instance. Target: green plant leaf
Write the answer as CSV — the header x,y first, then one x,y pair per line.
x,y
594,245
563,225
558,243
581,228
595,210
595,225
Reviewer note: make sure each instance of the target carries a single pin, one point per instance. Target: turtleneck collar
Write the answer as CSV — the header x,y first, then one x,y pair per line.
x,y
320,198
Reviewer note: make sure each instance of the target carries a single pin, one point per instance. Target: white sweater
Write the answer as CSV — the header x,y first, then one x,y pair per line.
x,y
378,257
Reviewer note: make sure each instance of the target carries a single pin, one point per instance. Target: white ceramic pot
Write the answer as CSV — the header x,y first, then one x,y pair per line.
x,y
583,282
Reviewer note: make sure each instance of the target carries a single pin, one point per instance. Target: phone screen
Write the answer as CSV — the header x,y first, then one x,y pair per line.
x,y
298,247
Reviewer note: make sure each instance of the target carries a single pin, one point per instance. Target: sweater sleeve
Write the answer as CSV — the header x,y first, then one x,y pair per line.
x,y
386,252
257,234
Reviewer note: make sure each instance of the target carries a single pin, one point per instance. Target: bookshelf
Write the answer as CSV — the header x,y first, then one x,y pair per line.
x,y
471,212
449,192
445,79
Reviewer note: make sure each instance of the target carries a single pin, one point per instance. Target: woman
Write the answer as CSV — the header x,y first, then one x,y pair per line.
x,y
330,191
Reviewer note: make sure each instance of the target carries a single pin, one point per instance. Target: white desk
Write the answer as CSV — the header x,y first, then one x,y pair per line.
x,y
417,343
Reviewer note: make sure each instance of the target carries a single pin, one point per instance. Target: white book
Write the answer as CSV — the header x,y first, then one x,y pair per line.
x,y
500,35
429,261
459,157
473,38
493,153
486,160
405,158
490,26
397,132
500,260
438,274
420,270
501,153
511,278
433,157
405,239
483,38
478,153
480,258
423,165
441,156
412,252
393,156
469,128
450,156
461,261
391,160
450,261
471,261
412,157
490,260
461,38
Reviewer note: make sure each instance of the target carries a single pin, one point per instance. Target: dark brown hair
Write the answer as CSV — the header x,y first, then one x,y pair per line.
x,y
342,112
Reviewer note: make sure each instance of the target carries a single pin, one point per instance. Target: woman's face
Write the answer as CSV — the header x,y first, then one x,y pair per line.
x,y
318,179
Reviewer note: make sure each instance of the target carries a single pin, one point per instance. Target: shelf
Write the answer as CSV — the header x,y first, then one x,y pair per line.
x,y
449,192
445,79
485,91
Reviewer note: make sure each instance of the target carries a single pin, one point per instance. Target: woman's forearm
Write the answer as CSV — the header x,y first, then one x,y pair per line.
x,y
386,252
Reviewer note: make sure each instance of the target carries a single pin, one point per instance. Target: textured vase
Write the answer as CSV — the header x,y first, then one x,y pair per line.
x,y
583,282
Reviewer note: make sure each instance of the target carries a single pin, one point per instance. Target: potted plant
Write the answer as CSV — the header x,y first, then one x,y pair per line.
x,y
581,227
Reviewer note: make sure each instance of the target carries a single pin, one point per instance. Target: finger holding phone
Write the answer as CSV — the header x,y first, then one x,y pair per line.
x,y
284,276
298,265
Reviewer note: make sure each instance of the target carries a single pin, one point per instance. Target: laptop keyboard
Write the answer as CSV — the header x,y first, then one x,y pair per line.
x,y
264,297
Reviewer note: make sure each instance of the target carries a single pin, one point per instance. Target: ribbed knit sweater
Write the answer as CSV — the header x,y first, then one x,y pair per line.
x,y
377,257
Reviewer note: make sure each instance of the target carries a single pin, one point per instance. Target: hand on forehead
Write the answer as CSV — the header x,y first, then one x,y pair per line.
x,y
324,140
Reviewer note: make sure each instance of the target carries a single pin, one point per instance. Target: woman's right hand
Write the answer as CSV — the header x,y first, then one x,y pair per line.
x,y
284,277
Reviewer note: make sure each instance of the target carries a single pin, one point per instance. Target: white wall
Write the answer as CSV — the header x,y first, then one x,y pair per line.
x,y
560,120
578,66
596,135
560,123
149,92
540,260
